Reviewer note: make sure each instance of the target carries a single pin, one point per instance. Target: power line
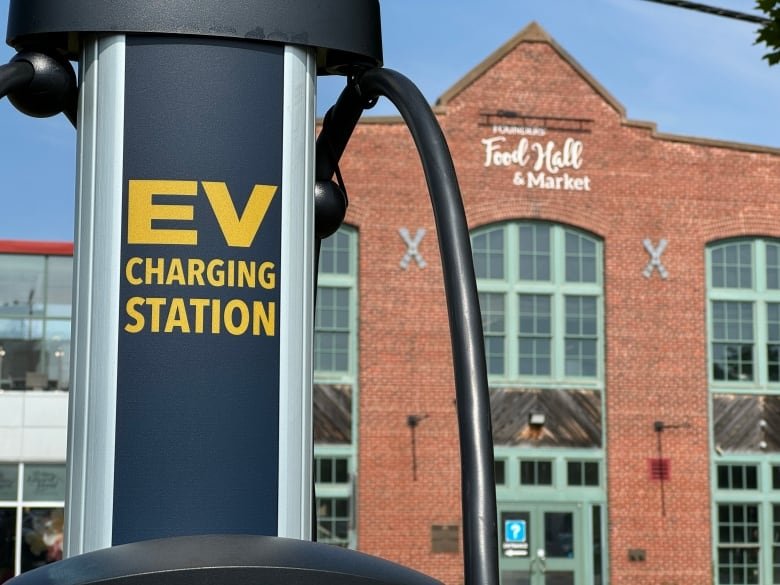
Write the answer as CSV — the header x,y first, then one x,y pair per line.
x,y
707,9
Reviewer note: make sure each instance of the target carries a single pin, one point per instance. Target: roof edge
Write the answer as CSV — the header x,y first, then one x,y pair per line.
x,y
36,248
747,147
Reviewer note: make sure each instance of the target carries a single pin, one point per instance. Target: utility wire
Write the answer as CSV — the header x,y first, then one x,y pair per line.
x,y
707,9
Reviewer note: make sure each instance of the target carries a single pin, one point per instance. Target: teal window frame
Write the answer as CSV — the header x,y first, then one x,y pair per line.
x,y
337,497
738,560
523,343
336,312
581,473
508,272
740,557
743,315
537,473
743,338
338,272
737,476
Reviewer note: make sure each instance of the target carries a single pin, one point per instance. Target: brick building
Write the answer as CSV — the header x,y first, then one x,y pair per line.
x,y
631,305
630,288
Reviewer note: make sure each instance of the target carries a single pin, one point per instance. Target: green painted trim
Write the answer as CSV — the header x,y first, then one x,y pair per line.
x,y
759,295
582,563
765,497
349,377
558,289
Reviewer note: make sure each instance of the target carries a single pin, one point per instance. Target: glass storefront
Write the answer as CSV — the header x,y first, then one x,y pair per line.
x,y
31,516
35,311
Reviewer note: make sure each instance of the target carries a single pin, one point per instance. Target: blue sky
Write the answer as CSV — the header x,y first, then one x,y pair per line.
x,y
691,73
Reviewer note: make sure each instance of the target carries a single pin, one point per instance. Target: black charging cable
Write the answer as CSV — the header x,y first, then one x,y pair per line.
x,y
480,535
40,85
15,75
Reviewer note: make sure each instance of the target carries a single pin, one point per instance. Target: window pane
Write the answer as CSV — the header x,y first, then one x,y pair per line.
x,y
499,471
738,548
581,336
534,341
580,258
57,353
591,473
324,466
559,535
583,473
7,543
331,335
59,283
342,473
21,285
775,542
22,347
494,354
732,347
333,520
488,251
597,547
492,307
44,483
534,253
9,482
574,473
527,473
534,472
751,477
773,266
773,347
732,265
42,537
534,314
723,477
737,477
334,253
544,472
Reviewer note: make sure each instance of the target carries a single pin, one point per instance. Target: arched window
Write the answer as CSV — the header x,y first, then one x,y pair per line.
x,y
540,290
744,313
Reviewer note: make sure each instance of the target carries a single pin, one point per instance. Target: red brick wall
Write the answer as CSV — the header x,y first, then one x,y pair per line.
x,y
642,186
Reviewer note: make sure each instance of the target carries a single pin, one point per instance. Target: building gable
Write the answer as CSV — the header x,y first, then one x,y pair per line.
x,y
532,57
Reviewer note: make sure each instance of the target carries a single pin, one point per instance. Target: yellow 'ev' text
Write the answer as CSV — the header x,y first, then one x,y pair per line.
x,y
198,314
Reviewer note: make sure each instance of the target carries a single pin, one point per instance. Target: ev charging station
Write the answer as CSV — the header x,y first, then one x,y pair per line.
x,y
201,200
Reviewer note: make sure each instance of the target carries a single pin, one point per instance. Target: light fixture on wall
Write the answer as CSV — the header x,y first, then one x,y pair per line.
x,y
412,421
537,419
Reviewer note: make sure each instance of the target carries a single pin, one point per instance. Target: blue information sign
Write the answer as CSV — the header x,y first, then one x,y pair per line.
x,y
515,531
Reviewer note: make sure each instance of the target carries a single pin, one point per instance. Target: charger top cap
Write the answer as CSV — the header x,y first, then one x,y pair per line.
x,y
345,33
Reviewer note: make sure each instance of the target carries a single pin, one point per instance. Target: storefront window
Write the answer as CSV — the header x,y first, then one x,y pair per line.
x,y
35,311
22,285
31,516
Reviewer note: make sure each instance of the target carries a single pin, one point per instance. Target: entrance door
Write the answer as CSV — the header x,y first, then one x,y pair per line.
x,y
540,544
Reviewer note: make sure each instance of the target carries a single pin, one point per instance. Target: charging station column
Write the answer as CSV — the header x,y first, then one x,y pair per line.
x,y
191,375
194,257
